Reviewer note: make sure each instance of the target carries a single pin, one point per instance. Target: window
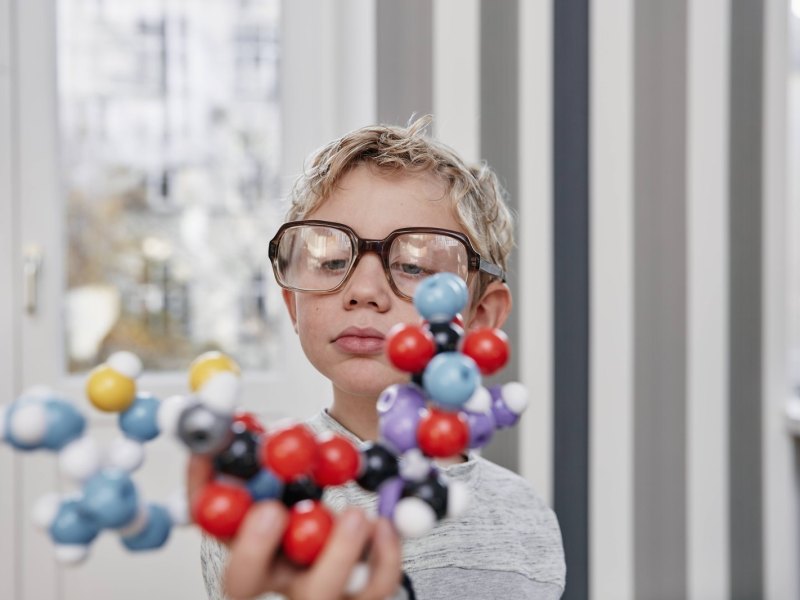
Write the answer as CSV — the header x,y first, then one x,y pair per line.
x,y
170,154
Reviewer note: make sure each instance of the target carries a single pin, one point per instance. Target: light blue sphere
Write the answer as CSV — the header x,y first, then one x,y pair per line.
x,y
140,421
450,379
439,298
110,498
73,526
264,486
65,424
155,534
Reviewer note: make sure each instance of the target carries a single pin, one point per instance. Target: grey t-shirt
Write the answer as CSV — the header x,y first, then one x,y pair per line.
x,y
507,544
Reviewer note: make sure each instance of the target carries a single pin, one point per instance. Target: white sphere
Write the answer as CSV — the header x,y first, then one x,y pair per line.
x,y
71,554
221,393
45,510
126,454
177,506
125,363
413,517
515,397
170,411
480,401
28,424
80,459
414,466
358,579
137,524
457,498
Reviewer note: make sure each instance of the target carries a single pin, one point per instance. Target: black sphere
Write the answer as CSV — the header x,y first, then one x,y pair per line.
x,y
432,490
241,457
302,488
446,336
377,465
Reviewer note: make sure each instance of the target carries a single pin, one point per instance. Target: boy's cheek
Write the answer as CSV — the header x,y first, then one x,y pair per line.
x,y
290,301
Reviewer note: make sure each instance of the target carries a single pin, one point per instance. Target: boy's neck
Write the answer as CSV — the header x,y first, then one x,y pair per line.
x,y
351,412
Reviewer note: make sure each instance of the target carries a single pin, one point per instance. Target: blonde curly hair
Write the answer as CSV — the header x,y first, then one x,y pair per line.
x,y
478,199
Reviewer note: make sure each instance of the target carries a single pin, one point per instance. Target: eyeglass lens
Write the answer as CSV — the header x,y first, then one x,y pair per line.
x,y
318,258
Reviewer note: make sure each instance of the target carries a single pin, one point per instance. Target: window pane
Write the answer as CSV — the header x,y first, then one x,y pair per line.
x,y
170,131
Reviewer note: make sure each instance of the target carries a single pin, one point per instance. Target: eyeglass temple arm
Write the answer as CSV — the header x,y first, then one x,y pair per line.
x,y
492,269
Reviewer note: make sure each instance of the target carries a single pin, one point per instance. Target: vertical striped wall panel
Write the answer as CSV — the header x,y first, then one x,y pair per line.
x,y
634,315
781,454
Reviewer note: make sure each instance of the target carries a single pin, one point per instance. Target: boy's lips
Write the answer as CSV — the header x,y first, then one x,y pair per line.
x,y
356,340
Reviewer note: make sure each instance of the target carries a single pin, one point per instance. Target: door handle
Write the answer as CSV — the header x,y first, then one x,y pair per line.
x,y
31,266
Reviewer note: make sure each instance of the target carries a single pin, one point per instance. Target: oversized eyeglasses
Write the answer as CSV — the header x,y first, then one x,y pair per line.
x,y
319,256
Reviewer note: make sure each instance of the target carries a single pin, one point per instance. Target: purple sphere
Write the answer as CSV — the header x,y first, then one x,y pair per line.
x,y
481,428
399,396
388,495
502,415
398,429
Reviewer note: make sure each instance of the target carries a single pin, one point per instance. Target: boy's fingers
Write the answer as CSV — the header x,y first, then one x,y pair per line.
x,y
253,550
198,473
385,563
328,576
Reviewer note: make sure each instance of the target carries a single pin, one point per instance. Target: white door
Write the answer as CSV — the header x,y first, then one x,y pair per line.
x,y
140,164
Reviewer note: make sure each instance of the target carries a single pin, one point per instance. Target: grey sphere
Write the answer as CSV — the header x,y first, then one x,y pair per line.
x,y
204,431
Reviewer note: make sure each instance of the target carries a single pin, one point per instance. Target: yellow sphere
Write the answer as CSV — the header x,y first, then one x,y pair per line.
x,y
110,390
207,365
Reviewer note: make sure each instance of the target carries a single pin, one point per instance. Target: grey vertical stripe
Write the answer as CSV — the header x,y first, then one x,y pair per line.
x,y
499,125
746,551
571,285
404,60
660,338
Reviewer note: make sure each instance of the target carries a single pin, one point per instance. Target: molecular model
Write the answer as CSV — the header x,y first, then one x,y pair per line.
x,y
440,413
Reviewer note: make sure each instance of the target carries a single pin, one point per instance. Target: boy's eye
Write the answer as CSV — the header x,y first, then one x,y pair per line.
x,y
334,265
411,269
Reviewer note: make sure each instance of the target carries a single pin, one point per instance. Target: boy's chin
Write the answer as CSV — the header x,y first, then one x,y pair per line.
x,y
370,382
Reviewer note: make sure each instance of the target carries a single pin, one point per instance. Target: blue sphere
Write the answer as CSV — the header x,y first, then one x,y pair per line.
x,y
439,298
72,525
140,421
264,486
450,379
155,534
110,498
65,424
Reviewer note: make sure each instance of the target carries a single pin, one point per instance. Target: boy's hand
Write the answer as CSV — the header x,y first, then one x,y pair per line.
x,y
256,567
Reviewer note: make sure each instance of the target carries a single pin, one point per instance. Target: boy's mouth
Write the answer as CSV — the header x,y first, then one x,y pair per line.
x,y
355,340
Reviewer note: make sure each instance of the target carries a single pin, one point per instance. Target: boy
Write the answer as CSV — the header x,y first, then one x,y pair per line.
x,y
369,184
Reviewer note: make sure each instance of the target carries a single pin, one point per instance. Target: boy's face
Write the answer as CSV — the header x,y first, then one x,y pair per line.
x,y
373,205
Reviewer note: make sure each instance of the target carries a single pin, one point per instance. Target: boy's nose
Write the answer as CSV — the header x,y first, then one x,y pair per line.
x,y
368,285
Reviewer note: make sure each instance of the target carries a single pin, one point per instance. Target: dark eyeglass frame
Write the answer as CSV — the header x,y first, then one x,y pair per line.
x,y
475,262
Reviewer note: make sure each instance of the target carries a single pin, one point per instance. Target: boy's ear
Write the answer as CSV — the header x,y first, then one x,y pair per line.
x,y
493,307
289,301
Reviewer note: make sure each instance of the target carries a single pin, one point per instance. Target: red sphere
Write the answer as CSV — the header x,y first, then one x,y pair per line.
x,y
409,347
338,461
309,525
441,433
290,453
219,509
488,348
250,421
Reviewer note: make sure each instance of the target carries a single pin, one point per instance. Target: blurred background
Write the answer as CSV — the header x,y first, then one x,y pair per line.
x,y
652,154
